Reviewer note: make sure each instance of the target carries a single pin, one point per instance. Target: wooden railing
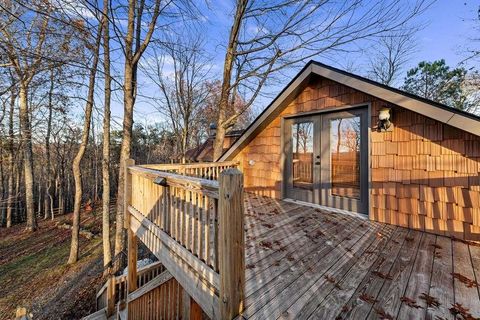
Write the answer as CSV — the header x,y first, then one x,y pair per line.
x,y
205,170
194,226
115,288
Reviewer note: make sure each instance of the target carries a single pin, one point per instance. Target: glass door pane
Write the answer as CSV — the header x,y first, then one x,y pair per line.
x,y
344,160
302,155
345,157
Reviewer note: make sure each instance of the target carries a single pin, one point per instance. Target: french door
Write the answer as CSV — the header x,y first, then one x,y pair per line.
x,y
327,159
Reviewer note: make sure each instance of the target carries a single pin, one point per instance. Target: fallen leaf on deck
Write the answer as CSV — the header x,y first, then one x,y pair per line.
x,y
368,298
430,300
470,283
410,302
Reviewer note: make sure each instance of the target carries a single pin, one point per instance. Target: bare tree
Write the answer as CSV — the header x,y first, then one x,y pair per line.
x,y
77,172
26,66
107,251
268,36
133,49
391,53
182,81
11,151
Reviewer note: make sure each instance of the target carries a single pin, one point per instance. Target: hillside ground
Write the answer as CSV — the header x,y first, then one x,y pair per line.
x,y
34,273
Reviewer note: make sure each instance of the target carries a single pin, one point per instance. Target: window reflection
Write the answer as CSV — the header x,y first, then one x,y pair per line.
x,y
302,145
345,157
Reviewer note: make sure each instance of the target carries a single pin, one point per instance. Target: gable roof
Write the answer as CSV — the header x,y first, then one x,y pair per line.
x,y
437,111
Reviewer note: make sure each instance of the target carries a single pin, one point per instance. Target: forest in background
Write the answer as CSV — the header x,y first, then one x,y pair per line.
x,y
64,64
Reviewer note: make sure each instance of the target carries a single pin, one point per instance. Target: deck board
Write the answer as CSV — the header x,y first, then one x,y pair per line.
x,y
314,275
466,293
307,303
389,298
441,284
281,273
291,249
419,281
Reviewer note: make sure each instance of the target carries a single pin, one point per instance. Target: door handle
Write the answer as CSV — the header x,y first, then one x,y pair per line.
x,y
317,163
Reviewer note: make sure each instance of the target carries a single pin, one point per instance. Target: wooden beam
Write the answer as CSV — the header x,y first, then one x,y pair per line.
x,y
153,284
198,185
132,261
132,239
231,244
110,296
191,165
127,199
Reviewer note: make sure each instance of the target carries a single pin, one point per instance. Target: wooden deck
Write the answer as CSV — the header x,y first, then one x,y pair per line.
x,y
305,263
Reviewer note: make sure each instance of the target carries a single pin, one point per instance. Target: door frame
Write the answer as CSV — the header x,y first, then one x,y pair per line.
x,y
307,195
327,198
285,150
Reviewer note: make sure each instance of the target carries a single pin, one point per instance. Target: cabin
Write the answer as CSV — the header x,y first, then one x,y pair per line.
x,y
204,152
344,199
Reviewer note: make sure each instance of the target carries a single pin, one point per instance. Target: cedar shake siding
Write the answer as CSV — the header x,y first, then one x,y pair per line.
x,y
423,175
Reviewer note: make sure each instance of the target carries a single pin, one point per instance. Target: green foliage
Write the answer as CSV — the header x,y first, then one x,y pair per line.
x,y
436,81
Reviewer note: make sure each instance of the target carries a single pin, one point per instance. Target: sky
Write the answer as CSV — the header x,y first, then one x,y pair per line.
x,y
447,27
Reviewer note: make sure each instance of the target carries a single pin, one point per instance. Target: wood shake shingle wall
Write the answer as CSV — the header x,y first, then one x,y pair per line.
x,y
424,174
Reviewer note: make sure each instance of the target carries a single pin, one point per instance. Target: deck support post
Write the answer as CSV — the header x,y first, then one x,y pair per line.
x,y
132,238
231,243
110,295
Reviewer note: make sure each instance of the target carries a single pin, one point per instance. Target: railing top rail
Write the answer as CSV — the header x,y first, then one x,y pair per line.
x,y
204,186
173,166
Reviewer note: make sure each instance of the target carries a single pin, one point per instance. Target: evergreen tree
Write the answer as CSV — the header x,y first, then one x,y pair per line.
x,y
438,82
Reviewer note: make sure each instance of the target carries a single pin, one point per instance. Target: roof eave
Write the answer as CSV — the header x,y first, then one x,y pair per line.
x,y
444,114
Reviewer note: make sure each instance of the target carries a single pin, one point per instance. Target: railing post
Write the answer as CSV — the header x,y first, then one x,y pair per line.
x,y
231,243
132,239
110,295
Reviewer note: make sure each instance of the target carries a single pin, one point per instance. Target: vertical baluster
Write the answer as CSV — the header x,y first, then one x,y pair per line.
x,y
215,234
166,206
182,215
156,199
199,226
187,218
143,196
207,230
161,198
175,210
194,220
177,214
171,209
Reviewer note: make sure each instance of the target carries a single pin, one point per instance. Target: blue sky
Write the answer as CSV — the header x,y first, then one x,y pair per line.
x,y
448,26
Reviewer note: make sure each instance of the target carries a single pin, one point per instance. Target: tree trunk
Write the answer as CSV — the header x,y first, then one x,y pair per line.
x,y
125,151
11,171
3,212
27,158
77,173
128,103
107,251
227,75
48,179
129,91
18,198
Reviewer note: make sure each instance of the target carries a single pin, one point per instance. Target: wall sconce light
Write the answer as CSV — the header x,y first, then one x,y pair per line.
x,y
251,162
384,123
